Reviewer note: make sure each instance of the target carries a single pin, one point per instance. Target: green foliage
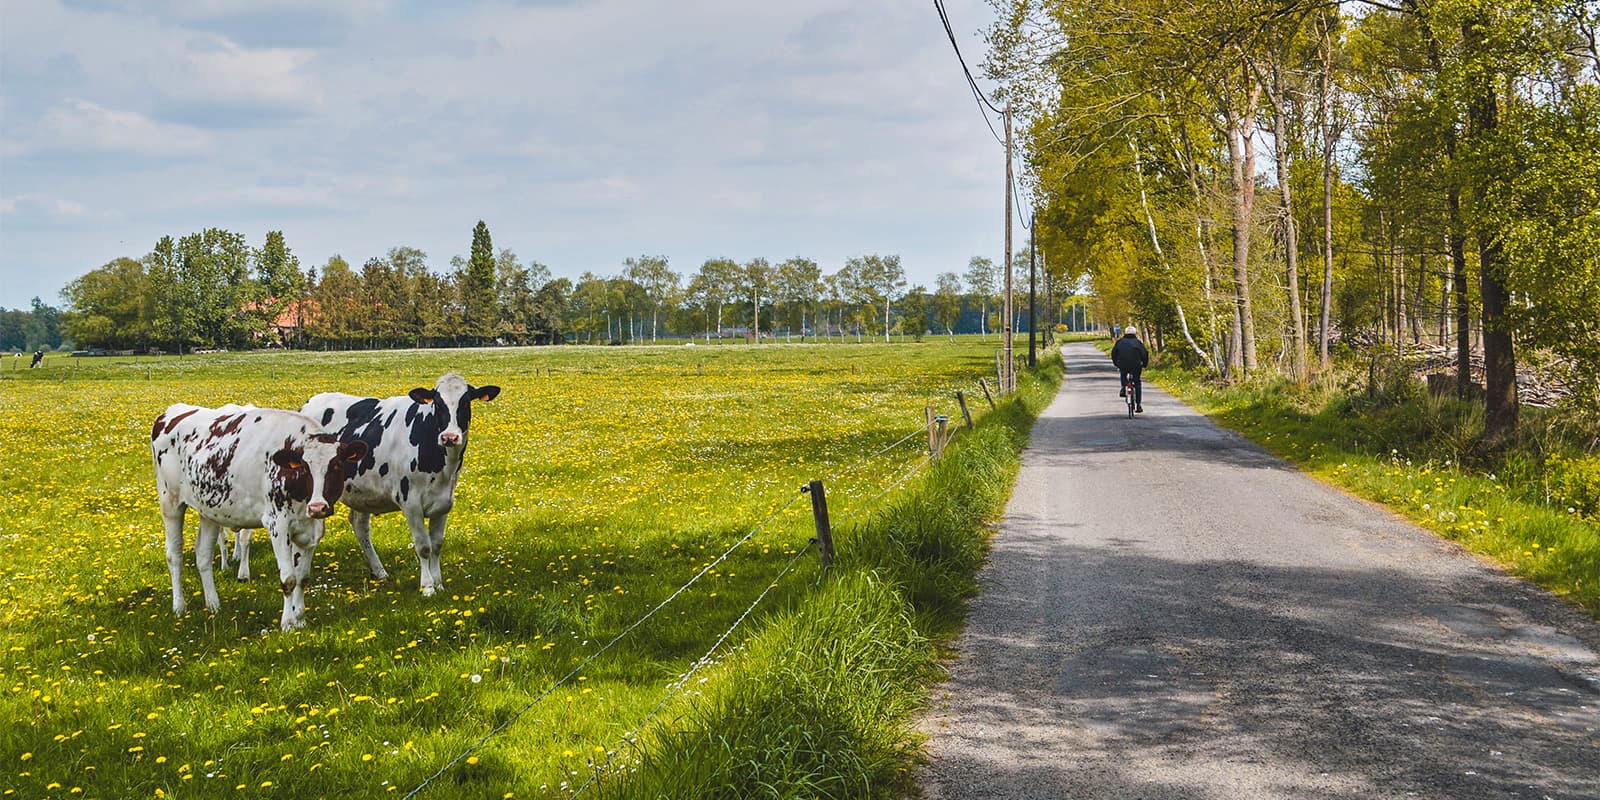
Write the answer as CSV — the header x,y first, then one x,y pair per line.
x,y
1574,482
477,286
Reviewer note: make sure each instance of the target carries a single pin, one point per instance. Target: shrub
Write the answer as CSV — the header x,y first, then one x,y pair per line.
x,y
1574,483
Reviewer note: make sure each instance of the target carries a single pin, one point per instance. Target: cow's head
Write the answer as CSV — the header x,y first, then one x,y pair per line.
x,y
312,470
452,399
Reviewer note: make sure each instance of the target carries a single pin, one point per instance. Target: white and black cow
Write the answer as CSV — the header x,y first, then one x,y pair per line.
x,y
241,467
416,444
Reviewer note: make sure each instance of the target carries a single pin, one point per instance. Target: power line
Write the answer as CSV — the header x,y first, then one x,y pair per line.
x,y
944,17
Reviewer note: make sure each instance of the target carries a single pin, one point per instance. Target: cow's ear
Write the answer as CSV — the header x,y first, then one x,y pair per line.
x,y
484,393
287,459
423,396
353,451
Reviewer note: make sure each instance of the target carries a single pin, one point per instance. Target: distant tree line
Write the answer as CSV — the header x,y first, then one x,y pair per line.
x,y
36,328
213,290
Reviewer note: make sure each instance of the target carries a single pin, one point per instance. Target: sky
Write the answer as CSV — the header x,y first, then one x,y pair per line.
x,y
583,132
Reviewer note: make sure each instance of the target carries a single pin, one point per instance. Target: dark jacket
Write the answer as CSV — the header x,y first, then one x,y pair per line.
x,y
1129,354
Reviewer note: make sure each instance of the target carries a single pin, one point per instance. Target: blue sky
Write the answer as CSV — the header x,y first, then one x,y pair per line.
x,y
582,131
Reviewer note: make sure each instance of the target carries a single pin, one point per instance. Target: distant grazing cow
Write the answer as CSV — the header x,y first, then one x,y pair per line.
x,y
415,447
242,467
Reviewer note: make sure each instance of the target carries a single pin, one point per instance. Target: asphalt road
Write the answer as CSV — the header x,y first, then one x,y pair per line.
x,y
1169,611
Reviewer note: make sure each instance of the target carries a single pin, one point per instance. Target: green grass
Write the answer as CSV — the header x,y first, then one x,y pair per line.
x,y
600,481
1419,456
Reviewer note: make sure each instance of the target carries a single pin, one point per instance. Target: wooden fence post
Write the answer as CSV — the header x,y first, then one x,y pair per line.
x,y
941,435
819,515
986,394
933,434
965,414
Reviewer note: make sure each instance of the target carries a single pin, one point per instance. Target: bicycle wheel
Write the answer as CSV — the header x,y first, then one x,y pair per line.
x,y
1129,388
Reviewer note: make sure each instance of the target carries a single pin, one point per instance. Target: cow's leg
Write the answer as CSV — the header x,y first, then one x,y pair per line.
x,y
204,548
288,580
302,543
361,523
222,547
423,542
436,544
241,552
173,520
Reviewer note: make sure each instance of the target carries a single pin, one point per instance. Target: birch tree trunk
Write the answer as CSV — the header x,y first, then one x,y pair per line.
x,y
1291,237
1240,132
1155,241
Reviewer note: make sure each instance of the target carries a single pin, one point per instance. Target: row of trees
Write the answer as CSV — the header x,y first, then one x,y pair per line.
x,y
1435,164
35,328
211,289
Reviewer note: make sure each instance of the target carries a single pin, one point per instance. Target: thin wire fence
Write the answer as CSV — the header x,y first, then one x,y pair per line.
x,y
632,737
608,645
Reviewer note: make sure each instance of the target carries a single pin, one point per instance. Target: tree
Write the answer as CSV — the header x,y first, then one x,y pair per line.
x,y
981,277
477,280
214,279
756,284
914,312
718,281
882,279
947,302
515,286
337,298
799,286
107,307
279,281
657,281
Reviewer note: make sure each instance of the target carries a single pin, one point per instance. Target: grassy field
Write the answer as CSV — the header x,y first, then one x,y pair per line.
x,y
599,482
1418,455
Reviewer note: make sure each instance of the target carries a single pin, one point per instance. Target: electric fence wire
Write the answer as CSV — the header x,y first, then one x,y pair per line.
x,y
862,508
632,737
608,645
836,474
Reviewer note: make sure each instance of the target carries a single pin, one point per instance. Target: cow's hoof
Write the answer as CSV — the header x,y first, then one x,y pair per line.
x,y
380,576
427,591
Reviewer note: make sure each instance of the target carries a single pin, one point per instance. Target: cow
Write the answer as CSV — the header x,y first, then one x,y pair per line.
x,y
243,467
415,446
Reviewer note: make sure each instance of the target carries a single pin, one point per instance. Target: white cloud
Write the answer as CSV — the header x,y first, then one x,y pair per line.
x,y
82,125
217,72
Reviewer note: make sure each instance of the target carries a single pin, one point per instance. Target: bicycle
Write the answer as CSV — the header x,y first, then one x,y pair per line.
x,y
1128,391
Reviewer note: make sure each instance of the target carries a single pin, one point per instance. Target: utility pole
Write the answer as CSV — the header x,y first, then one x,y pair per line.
x,y
1008,366
1033,219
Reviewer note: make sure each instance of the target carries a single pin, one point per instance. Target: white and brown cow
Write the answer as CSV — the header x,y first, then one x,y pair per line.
x,y
416,444
241,467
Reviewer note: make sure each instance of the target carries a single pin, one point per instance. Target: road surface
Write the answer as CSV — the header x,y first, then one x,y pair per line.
x,y
1169,611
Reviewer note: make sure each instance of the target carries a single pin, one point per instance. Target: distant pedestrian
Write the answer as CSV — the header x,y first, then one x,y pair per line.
x,y
38,359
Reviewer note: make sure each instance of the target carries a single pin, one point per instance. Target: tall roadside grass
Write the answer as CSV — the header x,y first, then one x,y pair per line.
x,y
1531,507
817,702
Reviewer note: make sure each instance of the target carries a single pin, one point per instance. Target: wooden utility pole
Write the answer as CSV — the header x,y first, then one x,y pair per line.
x,y
1033,219
1007,378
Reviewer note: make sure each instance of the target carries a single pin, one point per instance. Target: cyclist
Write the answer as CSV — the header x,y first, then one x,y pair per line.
x,y
1131,358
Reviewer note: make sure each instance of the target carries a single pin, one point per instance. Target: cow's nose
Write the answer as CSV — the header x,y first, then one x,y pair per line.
x,y
317,509
450,438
